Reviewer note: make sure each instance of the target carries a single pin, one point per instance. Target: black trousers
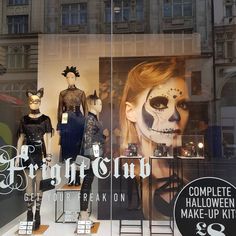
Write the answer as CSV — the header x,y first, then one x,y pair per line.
x,y
86,189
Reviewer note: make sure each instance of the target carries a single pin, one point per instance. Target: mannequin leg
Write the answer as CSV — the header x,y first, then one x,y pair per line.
x,y
77,178
69,180
85,191
30,197
39,196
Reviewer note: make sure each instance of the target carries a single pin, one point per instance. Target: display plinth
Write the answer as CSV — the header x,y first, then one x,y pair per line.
x,y
67,187
156,228
42,229
124,227
191,158
62,214
162,157
94,229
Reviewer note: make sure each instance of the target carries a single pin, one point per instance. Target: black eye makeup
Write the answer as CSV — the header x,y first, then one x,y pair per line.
x,y
183,104
159,102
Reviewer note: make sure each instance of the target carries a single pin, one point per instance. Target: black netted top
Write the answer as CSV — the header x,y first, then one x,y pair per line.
x,y
70,100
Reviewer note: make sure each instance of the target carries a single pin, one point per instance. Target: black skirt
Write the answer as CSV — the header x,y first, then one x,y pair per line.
x,y
71,135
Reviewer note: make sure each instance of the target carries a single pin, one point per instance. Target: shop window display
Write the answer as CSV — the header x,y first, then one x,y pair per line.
x,y
161,103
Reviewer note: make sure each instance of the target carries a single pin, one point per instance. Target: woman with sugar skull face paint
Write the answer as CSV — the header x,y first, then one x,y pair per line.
x,y
154,110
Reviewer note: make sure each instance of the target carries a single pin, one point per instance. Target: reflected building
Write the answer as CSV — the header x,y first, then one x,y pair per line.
x,y
225,68
24,20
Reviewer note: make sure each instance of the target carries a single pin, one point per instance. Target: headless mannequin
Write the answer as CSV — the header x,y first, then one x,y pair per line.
x,y
41,143
93,133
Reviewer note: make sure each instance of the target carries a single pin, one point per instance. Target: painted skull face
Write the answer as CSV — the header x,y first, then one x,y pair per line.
x,y
164,113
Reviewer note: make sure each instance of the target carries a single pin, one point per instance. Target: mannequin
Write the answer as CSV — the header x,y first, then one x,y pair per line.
x,y
93,134
35,130
70,118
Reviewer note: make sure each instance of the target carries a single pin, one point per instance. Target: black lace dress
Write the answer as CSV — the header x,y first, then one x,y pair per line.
x,y
93,134
34,130
71,133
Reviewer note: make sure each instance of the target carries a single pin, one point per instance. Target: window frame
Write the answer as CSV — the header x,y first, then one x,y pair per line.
x,y
196,79
15,3
76,12
17,57
16,26
139,11
171,4
231,10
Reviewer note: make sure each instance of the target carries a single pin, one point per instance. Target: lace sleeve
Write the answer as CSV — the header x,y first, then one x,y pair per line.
x,y
84,104
60,109
88,134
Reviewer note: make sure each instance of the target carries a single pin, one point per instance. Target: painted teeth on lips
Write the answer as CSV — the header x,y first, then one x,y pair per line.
x,y
171,131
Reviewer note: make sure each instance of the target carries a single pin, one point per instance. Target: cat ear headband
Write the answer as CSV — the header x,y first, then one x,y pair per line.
x,y
39,93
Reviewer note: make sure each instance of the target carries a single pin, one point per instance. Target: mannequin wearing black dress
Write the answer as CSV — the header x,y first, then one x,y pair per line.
x,y
70,118
35,130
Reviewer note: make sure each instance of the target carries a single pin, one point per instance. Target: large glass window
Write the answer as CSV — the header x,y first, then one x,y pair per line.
x,y
18,2
74,14
121,10
230,49
177,8
17,24
139,10
220,49
196,83
187,8
107,12
17,57
167,8
225,45
228,10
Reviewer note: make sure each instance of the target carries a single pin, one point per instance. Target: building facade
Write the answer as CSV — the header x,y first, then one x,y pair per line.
x,y
23,20
225,71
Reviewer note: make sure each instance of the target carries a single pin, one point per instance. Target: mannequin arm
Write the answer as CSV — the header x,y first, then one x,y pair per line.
x,y
48,146
48,143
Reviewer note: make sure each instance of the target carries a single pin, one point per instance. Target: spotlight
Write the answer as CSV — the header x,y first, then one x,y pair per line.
x,y
200,145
